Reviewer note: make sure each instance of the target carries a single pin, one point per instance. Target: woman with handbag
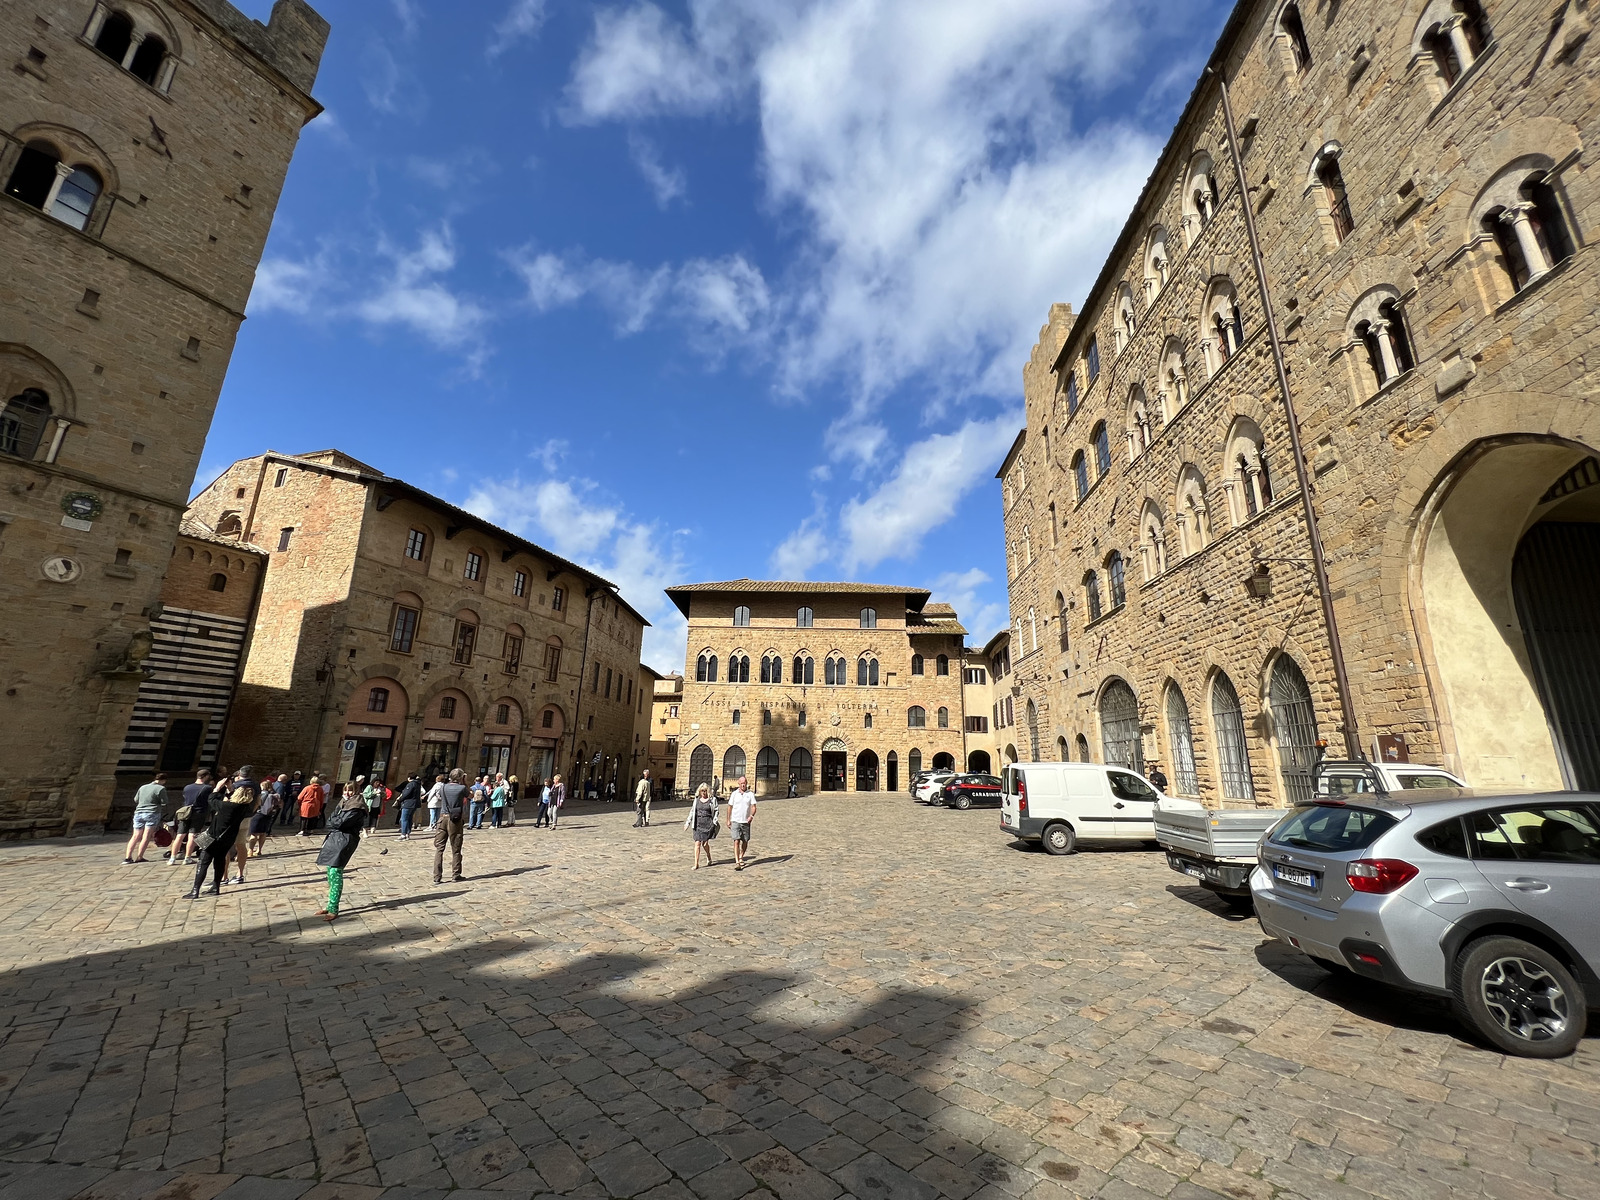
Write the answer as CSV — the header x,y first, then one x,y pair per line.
x,y
702,823
344,835
228,815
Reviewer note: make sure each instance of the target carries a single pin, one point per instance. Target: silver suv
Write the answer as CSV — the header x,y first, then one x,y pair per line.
x,y
1491,901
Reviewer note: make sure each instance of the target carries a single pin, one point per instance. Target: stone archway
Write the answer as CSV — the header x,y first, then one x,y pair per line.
x,y
866,771
1507,549
978,763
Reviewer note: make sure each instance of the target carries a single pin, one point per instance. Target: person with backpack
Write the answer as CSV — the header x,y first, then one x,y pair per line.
x,y
222,833
410,801
452,820
194,814
344,835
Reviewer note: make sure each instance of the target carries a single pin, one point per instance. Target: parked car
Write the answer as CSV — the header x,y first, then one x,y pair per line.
x,y
1057,804
1492,901
925,790
918,780
1218,847
963,791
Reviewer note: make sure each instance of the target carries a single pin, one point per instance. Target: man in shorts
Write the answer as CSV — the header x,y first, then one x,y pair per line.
x,y
148,804
741,815
197,799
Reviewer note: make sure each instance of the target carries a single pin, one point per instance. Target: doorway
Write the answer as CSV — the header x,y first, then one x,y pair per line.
x,y
866,771
978,763
364,756
833,770
438,756
495,759
892,770
1553,576
944,762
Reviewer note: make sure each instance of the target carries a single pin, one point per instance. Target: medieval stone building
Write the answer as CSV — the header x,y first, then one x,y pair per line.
x,y
835,686
396,632
1417,174
142,149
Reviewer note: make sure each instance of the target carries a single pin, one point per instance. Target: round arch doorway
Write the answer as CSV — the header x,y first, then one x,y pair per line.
x,y
866,771
1503,599
979,763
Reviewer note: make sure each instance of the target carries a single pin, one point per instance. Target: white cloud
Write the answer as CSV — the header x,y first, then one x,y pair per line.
x,y
802,551
965,590
666,183
927,147
552,452
575,520
414,297
283,285
521,20
923,493
722,302
408,15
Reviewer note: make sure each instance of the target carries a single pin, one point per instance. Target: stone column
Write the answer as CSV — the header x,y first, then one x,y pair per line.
x,y
1455,29
63,172
134,43
1391,368
1516,215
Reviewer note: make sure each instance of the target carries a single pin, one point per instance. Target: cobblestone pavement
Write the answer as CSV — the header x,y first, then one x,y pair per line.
x,y
892,1001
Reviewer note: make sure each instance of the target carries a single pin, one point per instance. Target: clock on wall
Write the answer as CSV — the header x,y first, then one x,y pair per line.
x,y
82,506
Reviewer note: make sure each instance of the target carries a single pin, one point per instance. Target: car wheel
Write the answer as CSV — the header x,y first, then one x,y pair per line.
x,y
1520,997
1059,838
963,802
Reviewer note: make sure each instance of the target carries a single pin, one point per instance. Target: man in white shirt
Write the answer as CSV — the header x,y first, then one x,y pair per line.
x,y
741,815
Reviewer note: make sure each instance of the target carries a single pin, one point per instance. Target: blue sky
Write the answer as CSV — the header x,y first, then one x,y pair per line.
x,y
692,291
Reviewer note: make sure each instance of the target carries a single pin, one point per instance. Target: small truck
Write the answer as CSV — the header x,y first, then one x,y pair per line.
x,y
1217,847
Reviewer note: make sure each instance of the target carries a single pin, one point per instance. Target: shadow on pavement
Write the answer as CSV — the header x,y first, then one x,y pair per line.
x,y
1230,911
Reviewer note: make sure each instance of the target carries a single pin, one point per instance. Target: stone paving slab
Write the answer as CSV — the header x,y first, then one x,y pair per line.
x,y
918,1010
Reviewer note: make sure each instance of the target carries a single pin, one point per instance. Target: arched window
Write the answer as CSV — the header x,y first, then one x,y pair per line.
x,y
378,700
805,671
1293,28
771,668
1152,541
1331,179
867,722
1174,380
1191,512
869,618
942,665
115,38
1083,749
1091,595
803,618
732,764
738,668
1127,323
1199,197
1061,750
1080,475
1224,330
1157,264
1137,423
1233,755
1102,451
741,617
767,764
147,59
1033,631
828,672
1378,324
1072,391
219,582
1115,579
944,718
1180,737
872,672
1120,736
800,765
1247,479
1061,621
914,763
23,421
68,196
916,664
1531,229
705,669
861,672
1091,360
916,717
1294,728
1453,34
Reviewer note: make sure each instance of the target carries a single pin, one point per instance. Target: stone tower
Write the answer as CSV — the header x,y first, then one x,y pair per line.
x,y
143,146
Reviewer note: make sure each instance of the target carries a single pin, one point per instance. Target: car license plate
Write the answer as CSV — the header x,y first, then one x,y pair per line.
x,y
1305,879
1190,869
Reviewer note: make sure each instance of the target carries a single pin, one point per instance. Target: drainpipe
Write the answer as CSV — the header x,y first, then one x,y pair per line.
x,y
1352,740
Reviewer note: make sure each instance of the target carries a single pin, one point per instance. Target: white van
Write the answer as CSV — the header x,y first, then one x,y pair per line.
x,y
1059,803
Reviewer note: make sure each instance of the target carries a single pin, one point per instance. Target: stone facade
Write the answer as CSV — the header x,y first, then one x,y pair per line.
x,y
878,697
136,203
396,632
208,598
1417,174
665,708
